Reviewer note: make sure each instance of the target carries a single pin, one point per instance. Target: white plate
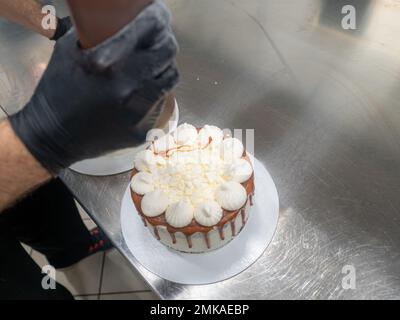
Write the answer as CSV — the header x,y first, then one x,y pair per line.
x,y
214,266
120,161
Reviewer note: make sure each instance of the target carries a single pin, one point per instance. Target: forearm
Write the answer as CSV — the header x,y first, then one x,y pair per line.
x,y
20,173
25,12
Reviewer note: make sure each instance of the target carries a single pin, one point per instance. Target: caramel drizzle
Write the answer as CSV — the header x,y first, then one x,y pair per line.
x,y
233,228
243,213
166,153
251,199
144,221
189,241
221,233
207,239
156,233
173,237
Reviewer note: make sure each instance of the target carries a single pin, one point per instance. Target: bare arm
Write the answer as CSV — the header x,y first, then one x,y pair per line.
x,y
20,173
25,12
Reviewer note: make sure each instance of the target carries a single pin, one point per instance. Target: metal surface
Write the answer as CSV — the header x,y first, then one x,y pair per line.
x,y
324,103
2,114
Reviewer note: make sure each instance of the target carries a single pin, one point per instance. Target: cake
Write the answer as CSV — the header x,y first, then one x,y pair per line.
x,y
193,188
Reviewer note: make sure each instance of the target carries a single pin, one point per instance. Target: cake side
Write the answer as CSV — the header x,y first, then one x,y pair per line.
x,y
195,236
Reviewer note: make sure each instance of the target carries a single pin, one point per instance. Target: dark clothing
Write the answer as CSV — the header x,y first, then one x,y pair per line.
x,y
49,222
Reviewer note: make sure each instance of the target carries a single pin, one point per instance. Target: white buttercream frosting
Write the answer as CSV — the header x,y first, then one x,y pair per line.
x,y
185,135
191,176
142,183
240,170
163,144
208,132
145,161
194,179
154,203
231,148
231,195
179,214
208,213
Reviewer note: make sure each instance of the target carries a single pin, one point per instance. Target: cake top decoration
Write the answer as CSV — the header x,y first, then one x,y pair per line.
x,y
192,175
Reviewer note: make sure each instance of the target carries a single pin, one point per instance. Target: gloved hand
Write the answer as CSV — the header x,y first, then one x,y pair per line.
x,y
90,102
63,25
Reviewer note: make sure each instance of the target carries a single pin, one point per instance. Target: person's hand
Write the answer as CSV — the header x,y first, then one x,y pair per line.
x,y
90,102
63,25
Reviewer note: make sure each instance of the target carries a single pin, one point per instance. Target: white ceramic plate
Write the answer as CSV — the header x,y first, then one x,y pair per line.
x,y
214,266
120,161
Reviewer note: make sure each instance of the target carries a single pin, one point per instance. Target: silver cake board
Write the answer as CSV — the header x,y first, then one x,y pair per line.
x,y
214,266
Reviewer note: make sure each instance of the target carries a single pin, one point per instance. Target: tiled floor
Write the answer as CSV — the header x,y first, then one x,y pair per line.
x,y
103,276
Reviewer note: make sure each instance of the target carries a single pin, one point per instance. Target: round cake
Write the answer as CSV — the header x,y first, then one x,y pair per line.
x,y
193,188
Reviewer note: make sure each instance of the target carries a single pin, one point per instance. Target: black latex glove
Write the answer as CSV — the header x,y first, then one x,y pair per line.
x,y
90,102
63,25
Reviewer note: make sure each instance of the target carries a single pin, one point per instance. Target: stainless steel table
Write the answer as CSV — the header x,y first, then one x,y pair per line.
x,y
324,103
2,114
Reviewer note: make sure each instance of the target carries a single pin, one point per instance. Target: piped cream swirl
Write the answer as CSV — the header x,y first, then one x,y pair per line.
x,y
163,144
185,135
208,132
179,214
231,149
240,170
208,213
142,183
154,203
231,196
145,161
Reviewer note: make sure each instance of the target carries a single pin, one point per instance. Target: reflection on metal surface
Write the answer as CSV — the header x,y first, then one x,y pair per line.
x,y
24,56
2,114
324,104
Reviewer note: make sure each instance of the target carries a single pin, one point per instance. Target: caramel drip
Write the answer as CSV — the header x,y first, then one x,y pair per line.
x,y
192,228
243,213
207,239
144,221
166,153
221,233
233,228
251,199
189,241
156,233
173,237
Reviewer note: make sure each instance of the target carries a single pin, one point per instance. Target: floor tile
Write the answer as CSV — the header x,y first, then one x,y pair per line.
x,y
119,276
39,258
130,296
82,212
87,297
28,249
89,224
81,278
84,277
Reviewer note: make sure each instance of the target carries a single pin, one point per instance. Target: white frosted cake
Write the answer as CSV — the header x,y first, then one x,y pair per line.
x,y
193,188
